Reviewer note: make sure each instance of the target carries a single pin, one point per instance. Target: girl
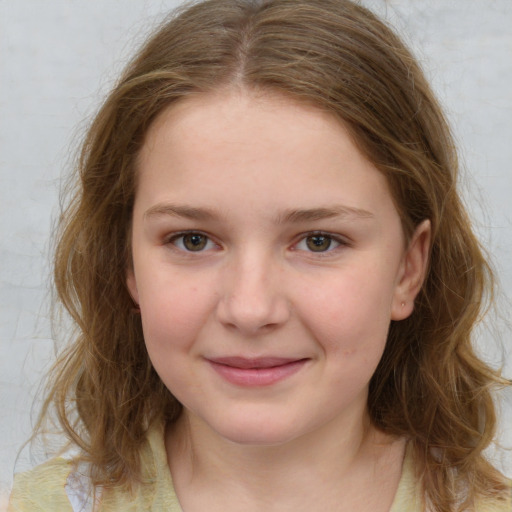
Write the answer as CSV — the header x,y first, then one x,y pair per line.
x,y
274,281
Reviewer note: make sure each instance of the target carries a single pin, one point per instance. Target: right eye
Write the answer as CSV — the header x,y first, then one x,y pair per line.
x,y
192,242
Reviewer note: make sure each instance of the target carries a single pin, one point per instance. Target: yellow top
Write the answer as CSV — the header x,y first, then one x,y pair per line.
x,y
60,485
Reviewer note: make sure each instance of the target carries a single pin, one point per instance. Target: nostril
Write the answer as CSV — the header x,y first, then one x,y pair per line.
x,y
252,317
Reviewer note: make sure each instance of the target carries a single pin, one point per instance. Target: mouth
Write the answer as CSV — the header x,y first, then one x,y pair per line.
x,y
256,372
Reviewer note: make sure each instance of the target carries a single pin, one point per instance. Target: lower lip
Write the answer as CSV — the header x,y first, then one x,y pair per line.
x,y
256,377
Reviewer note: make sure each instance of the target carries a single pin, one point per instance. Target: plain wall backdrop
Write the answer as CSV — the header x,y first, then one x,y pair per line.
x,y
58,59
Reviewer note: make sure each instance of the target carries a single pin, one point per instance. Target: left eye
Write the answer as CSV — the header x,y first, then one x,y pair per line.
x,y
192,242
318,242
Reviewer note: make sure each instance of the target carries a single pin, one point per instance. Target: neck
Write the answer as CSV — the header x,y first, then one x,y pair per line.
x,y
338,458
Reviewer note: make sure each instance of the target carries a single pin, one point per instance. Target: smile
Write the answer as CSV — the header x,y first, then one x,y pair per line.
x,y
256,372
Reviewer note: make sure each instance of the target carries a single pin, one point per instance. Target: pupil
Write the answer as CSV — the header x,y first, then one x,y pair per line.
x,y
194,242
318,243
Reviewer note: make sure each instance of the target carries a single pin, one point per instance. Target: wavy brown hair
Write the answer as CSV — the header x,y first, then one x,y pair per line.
x,y
429,387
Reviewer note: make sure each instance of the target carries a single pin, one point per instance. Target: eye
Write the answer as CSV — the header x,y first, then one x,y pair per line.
x,y
318,242
192,242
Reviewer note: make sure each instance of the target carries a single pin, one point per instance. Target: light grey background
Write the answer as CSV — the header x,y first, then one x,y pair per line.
x,y
59,58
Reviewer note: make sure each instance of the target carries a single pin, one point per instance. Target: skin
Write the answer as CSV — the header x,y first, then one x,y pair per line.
x,y
256,180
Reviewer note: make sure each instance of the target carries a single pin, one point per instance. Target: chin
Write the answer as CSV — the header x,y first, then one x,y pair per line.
x,y
257,433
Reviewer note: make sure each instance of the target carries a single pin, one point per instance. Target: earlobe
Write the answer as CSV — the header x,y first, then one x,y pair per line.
x,y
131,284
412,273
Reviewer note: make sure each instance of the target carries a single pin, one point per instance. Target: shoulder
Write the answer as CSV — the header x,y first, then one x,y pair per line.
x,y
63,485
409,495
42,488
504,505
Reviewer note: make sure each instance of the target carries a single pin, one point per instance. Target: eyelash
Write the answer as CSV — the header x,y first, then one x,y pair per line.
x,y
177,236
302,239
340,241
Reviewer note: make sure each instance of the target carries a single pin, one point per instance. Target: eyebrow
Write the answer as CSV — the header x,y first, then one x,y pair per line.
x,y
312,214
187,212
287,217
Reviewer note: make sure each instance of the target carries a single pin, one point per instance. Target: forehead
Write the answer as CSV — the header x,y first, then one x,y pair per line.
x,y
260,146
231,115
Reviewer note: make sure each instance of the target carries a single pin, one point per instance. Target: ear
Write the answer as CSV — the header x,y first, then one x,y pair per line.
x,y
131,283
411,275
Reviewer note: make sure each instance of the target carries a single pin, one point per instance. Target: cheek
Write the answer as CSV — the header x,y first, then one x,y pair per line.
x,y
172,318
172,313
350,315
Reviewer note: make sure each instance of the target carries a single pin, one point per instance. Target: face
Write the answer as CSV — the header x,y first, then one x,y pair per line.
x,y
268,262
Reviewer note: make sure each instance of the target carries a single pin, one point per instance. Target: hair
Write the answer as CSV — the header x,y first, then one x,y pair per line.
x,y
429,387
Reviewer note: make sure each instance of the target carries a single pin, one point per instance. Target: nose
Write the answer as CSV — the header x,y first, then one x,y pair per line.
x,y
253,300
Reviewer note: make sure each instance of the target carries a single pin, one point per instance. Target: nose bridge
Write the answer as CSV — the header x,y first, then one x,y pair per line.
x,y
253,296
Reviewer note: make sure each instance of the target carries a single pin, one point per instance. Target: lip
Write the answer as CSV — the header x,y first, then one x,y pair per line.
x,y
256,372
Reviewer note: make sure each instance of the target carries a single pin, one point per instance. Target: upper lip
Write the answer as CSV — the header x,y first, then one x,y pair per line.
x,y
256,362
